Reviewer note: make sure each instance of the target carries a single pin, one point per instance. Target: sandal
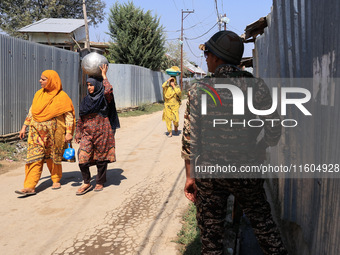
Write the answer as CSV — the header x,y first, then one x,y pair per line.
x,y
98,187
82,190
56,185
25,192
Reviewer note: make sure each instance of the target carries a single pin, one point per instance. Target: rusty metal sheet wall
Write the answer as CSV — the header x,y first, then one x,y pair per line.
x,y
21,64
302,41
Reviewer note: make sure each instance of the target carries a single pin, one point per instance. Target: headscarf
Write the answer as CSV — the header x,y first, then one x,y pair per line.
x,y
96,103
51,101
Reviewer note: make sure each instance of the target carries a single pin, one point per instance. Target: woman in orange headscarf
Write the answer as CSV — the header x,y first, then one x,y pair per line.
x,y
51,121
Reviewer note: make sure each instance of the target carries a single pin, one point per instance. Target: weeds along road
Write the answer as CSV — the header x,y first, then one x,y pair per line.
x,y
138,212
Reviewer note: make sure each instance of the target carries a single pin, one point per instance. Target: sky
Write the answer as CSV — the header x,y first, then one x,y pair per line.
x,y
198,26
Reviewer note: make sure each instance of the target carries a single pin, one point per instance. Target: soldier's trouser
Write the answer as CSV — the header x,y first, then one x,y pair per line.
x,y
211,206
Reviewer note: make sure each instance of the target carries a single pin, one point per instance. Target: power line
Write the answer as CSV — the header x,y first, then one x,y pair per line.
x,y
235,29
171,39
204,21
218,15
175,4
191,50
184,28
202,34
183,17
184,5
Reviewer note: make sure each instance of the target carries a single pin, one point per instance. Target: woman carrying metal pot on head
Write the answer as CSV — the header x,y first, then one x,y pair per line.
x,y
172,100
96,129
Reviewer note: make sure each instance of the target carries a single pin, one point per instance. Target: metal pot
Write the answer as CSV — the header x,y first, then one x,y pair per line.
x,y
91,62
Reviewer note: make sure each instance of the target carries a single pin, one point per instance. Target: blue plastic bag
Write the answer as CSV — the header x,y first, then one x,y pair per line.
x,y
69,154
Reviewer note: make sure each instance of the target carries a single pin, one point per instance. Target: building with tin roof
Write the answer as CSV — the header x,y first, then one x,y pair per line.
x,y
61,33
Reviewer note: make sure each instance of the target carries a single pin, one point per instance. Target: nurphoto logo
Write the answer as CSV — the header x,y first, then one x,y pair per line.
x,y
239,104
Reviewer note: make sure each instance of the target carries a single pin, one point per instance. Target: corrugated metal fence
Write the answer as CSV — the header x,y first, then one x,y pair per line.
x,y
302,41
22,62
135,85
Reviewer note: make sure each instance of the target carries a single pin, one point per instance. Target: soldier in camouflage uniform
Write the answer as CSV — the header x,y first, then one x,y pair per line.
x,y
237,146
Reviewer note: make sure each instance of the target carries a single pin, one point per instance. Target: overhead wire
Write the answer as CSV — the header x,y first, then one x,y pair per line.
x,y
179,30
236,29
184,5
191,50
175,5
171,39
196,31
218,15
202,34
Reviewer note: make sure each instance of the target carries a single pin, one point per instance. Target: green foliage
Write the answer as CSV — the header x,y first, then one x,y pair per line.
x,y
6,150
13,151
15,14
143,109
138,37
189,234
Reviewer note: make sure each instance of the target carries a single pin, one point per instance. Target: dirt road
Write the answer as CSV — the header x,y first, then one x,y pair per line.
x,y
138,212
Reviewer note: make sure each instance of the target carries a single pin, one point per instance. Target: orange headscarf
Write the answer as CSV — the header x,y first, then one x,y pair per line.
x,y
51,101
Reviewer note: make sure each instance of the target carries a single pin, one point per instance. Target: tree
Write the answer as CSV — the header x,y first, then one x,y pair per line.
x,y
173,55
138,37
15,14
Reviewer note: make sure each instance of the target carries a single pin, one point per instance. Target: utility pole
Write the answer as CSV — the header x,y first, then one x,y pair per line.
x,y
219,22
87,40
201,65
225,20
225,24
188,12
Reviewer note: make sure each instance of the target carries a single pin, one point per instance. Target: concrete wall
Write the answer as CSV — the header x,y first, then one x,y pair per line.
x,y
302,41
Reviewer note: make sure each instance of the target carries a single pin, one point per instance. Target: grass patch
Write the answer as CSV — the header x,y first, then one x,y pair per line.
x,y
13,152
188,236
143,109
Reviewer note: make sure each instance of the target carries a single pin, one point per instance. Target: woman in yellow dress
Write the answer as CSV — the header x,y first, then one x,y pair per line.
x,y
172,100
51,121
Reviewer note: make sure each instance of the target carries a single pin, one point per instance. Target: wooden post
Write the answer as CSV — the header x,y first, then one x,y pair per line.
x,y
87,40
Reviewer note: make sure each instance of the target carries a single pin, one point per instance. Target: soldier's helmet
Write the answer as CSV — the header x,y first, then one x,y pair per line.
x,y
226,45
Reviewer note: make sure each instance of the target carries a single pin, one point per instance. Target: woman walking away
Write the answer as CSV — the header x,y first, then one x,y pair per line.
x,y
95,131
172,100
51,121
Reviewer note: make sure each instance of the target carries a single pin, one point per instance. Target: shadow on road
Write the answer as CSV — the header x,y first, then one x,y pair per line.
x,y
114,177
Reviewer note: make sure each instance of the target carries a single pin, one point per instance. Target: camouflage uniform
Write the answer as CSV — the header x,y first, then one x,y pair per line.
x,y
238,147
